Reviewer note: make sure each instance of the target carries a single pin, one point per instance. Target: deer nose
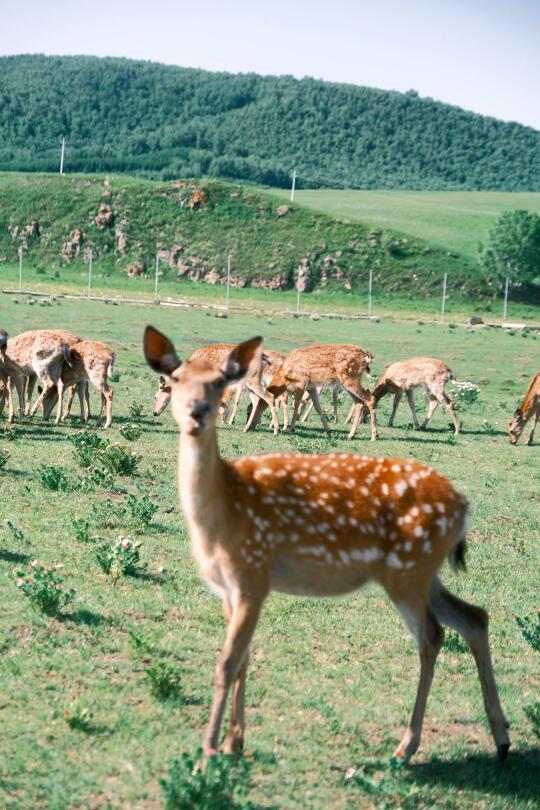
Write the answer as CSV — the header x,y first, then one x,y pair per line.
x,y
198,408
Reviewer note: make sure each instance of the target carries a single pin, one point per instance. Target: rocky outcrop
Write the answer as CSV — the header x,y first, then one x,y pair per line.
x,y
121,240
136,269
303,276
197,200
72,248
104,217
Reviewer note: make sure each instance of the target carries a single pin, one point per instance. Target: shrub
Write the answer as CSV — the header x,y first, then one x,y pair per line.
x,y
78,716
488,427
142,511
465,394
108,514
4,456
164,679
10,434
119,560
17,534
82,529
130,432
222,785
115,376
43,587
532,713
530,630
53,477
135,409
119,461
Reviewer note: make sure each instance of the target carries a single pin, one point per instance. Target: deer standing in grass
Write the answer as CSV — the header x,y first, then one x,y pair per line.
x,y
529,409
11,377
215,354
314,525
40,353
306,370
89,361
419,372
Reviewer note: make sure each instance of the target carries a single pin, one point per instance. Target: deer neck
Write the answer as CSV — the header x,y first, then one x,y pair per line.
x,y
201,481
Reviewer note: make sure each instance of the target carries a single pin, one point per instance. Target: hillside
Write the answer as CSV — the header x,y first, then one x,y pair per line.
x,y
164,122
457,220
194,226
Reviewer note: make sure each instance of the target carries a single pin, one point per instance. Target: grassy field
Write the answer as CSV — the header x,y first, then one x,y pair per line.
x,y
457,220
274,302
331,682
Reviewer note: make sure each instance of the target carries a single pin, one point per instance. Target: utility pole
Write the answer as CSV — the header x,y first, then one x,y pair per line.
x,y
298,293
62,155
20,268
293,187
370,288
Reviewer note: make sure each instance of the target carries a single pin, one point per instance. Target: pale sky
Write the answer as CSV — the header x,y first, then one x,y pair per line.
x,y
483,55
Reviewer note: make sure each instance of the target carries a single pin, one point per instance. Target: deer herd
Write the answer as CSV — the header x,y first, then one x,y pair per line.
x,y
304,524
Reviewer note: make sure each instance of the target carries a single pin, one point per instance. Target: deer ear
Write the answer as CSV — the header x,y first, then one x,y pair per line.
x,y
159,352
243,361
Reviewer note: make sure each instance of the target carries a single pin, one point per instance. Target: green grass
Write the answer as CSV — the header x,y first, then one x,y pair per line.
x,y
331,682
457,220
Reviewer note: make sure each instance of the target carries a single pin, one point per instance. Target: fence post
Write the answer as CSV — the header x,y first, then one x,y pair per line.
x,y
20,268
443,300
227,292
157,278
89,273
370,289
505,308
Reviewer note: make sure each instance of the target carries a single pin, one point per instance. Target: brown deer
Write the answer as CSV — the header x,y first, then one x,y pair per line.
x,y
215,354
529,409
11,376
41,353
306,370
314,525
89,361
418,372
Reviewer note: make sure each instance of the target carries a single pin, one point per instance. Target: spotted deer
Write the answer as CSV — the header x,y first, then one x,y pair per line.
x,y
529,409
306,370
314,525
418,372
40,353
89,361
215,354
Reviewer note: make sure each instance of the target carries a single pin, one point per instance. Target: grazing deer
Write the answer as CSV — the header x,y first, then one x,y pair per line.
x,y
529,409
419,372
215,354
41,353
89,361
10,376
314,525
306,370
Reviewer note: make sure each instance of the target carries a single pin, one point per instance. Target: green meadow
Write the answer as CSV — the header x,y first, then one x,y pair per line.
x,y
457,220
95,703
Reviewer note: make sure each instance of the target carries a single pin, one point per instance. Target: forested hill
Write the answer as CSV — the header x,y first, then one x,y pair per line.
x,y
120,115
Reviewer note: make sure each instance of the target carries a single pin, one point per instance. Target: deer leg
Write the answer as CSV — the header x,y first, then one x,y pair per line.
x,y
298,396
433,403
30,385
531,434
306,406
429,636
258,389
313,393
362,397
69,401
237,395
3,395
335,403
397,400
106,399
11,407
60,388
471,622
284,399
412,406
48,385
351,413
445,400
234,738
245,614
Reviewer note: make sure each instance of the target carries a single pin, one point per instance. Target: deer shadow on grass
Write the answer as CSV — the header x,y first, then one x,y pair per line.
x,y
13,556
517,778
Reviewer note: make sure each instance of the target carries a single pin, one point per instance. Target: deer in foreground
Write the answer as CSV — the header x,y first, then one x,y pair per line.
x,y
314,525
40,353
306,370
529,409
89,361
11,377
418,372
215,354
